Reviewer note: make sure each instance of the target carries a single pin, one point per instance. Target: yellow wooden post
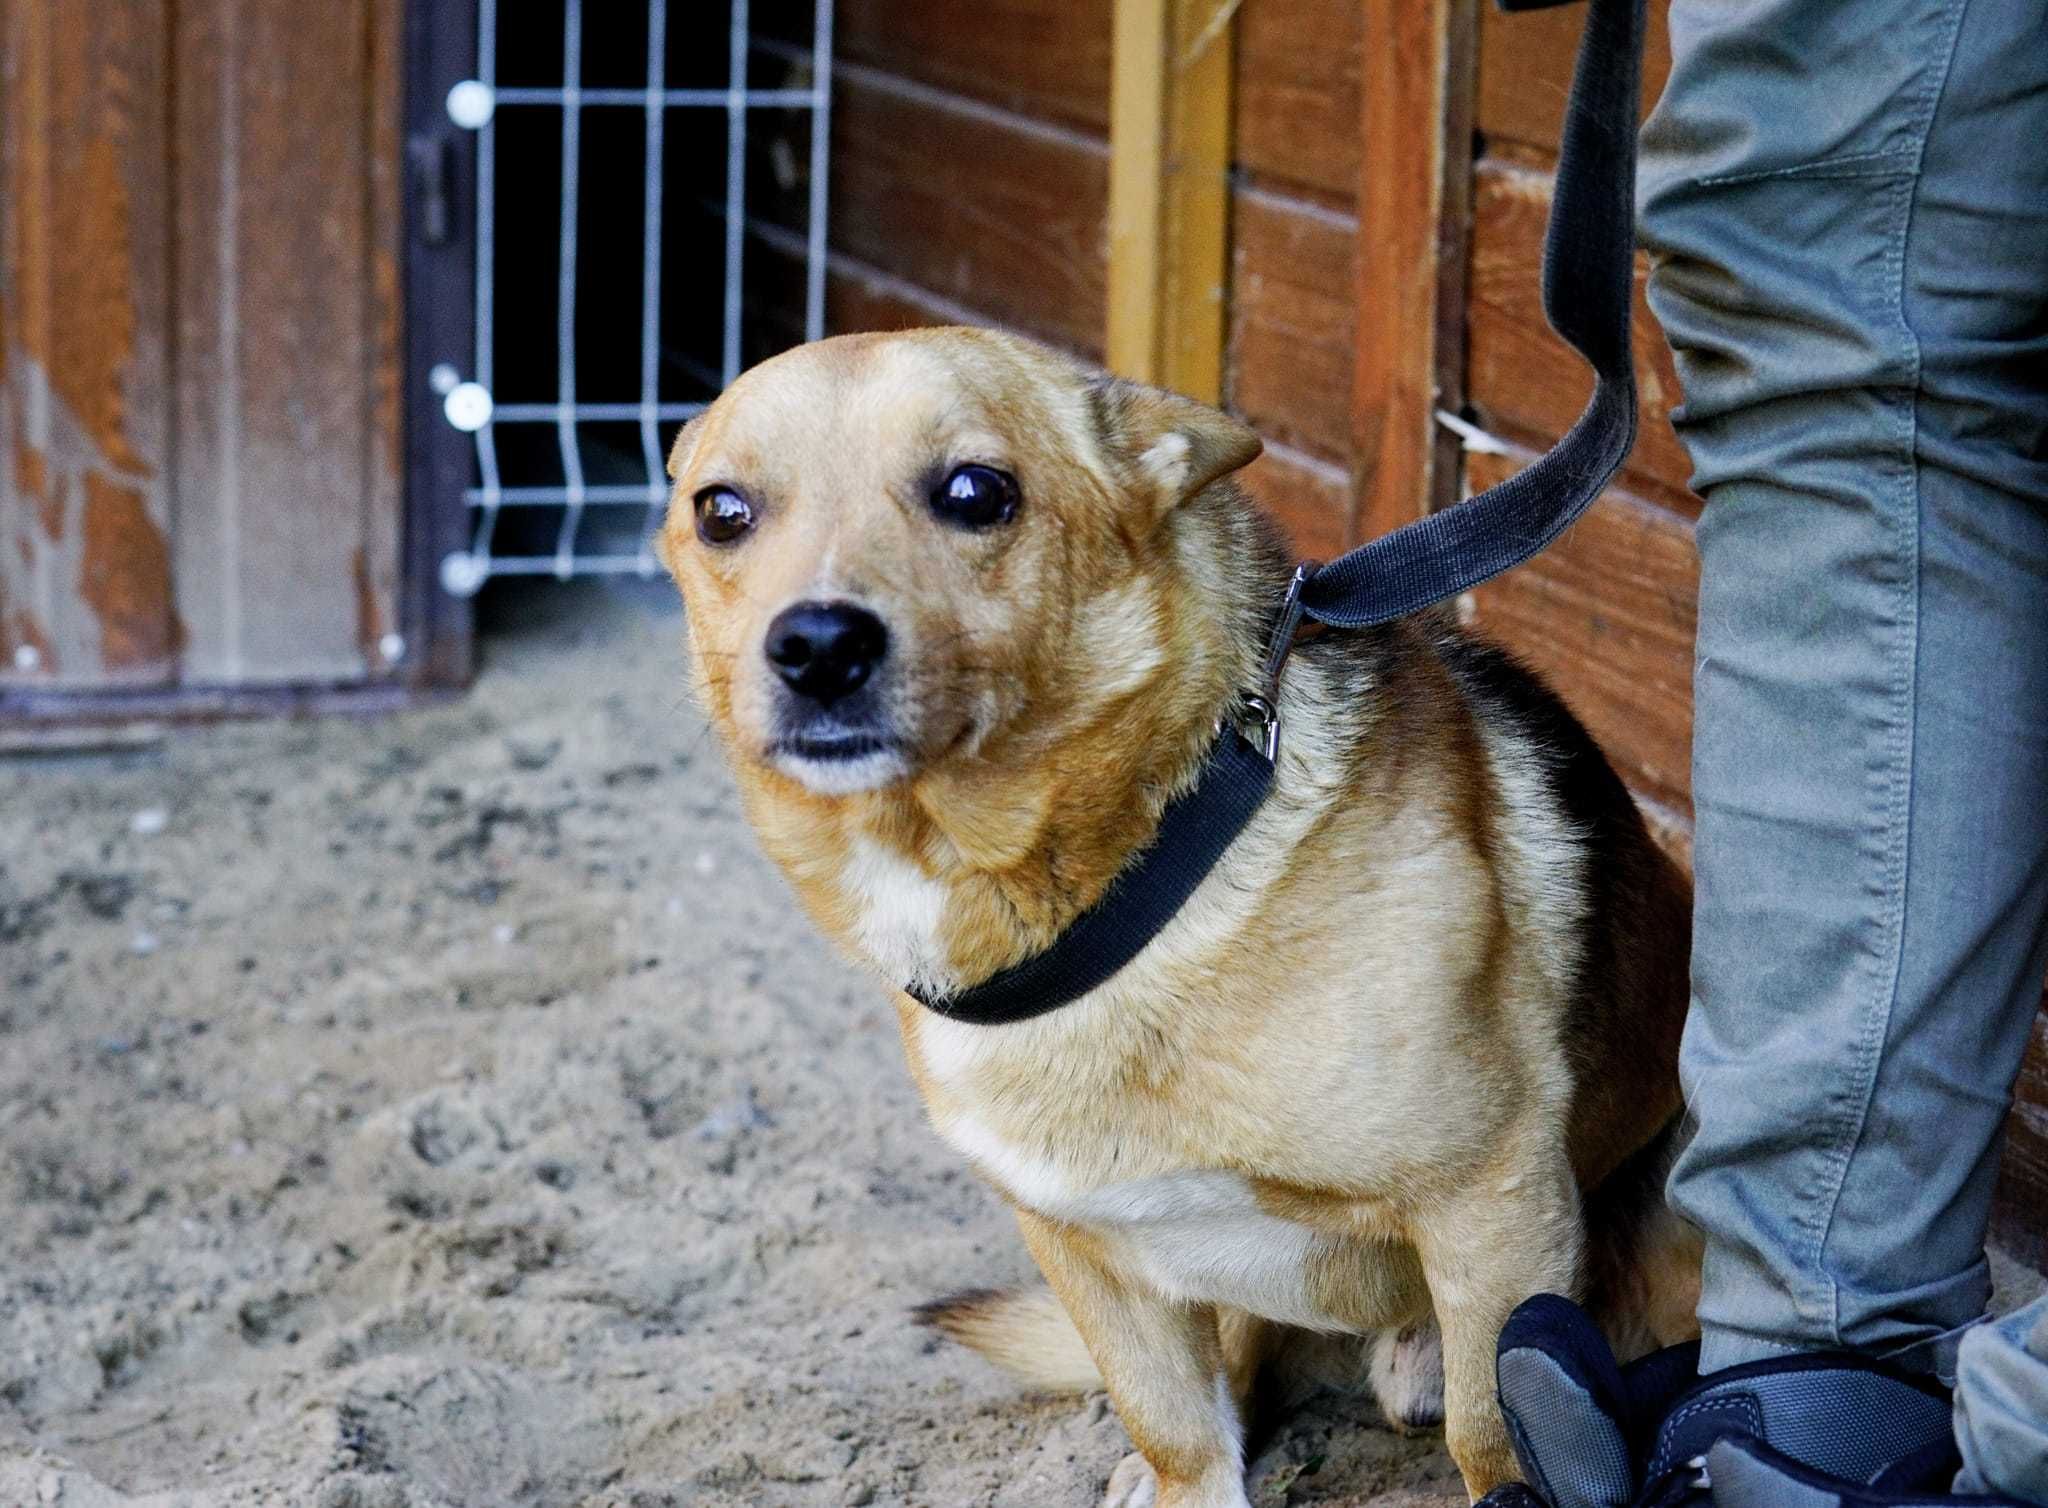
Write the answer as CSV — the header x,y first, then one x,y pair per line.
x,y
1169,193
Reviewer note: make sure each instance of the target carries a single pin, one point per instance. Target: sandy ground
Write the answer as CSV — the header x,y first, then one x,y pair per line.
x,y
452,1109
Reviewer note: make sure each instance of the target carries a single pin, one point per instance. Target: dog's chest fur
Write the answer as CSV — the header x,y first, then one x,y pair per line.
x,y
899,909
1053,1135
1198,1235
1195,1234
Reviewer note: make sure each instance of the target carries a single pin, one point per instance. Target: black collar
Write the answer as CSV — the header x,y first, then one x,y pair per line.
x,y
1588,282
1194,831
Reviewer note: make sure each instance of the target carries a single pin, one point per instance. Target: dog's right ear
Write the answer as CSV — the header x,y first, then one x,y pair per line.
x,y
1176,444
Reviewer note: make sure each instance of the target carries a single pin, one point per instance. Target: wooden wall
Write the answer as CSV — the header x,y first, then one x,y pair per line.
x,y
970,181
199,315
1294,235
970,168
1608,615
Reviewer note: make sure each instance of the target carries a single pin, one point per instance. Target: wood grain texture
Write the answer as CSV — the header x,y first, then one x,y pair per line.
x,y
1298,67
857,296
1310,497
1292,321
1201,48
1414,181
1049,59
200,284
1525,72
974,204
379,563
1169,194
1526,382
85,257
2020,1213
1608,616
280,339
1140,91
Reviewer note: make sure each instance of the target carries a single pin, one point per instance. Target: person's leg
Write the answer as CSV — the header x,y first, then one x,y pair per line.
x,y
1847,201
2001,1420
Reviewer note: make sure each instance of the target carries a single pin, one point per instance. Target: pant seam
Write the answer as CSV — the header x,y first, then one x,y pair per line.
x,y
1855,165
1903,653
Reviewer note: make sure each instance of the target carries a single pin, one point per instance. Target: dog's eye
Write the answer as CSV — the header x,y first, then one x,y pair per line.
x,y
722,515
976,497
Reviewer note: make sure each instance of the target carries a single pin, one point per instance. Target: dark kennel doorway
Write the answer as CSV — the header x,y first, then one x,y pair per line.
x,y
618,205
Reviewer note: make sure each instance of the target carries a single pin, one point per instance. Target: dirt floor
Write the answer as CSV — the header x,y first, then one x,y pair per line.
x,y
452,1109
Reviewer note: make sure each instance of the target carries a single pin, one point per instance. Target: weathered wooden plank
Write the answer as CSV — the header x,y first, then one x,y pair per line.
x,y
1608,616
1049,59
1137,188
1201,54
1414,181
84,354
860,298
281,340
1169,194
1525,72
380,562
1292,321
857,296
1310,497
1298,65
438,280
979,206
1519,375
2020,1215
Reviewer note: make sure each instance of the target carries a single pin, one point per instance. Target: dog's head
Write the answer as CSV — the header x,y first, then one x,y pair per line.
x,y
903,550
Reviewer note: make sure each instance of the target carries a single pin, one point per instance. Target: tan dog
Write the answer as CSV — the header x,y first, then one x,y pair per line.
x,y
967,616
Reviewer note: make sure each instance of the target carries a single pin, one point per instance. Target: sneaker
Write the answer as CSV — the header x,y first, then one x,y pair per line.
x,y
1819,1430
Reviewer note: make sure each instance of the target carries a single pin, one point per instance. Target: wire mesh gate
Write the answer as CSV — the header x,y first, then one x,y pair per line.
x,y
650,187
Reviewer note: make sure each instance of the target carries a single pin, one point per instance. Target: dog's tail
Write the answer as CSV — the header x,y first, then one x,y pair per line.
x,y
1022,1330
1643,1257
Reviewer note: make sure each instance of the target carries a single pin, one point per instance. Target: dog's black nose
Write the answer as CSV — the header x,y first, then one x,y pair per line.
x,y
825,650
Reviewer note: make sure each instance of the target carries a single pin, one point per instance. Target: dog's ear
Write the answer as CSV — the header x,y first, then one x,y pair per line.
x,y
1177,444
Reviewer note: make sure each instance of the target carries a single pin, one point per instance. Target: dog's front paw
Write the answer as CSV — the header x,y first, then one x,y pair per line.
x,y
1132,1485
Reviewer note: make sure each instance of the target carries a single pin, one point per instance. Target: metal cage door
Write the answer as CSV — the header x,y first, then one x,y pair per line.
x,y
616,205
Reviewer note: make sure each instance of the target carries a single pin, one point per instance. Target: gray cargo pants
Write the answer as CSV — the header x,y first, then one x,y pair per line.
x,y
1847,204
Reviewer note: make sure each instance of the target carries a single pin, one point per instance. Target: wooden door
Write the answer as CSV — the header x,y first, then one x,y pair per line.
x,y
200,246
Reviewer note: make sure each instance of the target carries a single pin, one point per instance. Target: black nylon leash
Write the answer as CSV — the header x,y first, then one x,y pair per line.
x,y
1588,284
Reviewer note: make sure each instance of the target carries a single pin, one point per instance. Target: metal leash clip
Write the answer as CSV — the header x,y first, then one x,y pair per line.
x,y
1263,705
